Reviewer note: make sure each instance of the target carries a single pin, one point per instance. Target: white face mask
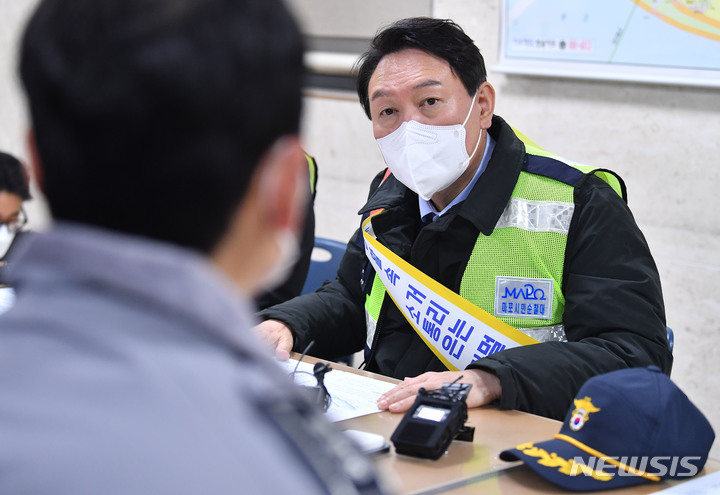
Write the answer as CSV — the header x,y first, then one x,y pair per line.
x,y
427,158
6,240
289,248
287,242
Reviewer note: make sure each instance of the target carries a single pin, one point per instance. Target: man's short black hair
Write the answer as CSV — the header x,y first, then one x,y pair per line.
x,y
13,176
439,37
151,115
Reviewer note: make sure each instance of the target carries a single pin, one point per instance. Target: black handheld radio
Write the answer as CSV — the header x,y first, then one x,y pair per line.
x,y
431,423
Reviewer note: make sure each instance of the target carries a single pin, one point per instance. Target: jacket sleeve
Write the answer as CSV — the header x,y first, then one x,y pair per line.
x,y
333,316
614,313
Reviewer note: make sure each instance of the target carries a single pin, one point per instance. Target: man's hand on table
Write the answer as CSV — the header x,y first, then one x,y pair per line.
x,y
277,336
485,388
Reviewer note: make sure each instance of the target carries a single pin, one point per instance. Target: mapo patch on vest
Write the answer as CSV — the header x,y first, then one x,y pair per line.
x,y
519,297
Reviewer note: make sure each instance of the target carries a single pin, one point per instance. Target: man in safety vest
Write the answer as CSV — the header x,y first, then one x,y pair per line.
x,y
480,255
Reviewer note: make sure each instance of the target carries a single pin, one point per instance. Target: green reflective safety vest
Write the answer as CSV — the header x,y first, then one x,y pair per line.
x,y
312,170
528,242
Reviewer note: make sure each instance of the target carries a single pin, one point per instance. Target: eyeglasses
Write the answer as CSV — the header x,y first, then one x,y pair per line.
x,y
15,224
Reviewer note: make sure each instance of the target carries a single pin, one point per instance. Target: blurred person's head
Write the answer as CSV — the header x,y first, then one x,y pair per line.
x,y
13,191
171,119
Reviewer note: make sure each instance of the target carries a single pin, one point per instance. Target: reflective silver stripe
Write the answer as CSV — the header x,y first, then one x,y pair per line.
x,y
553,333
371,326
537,216
370,323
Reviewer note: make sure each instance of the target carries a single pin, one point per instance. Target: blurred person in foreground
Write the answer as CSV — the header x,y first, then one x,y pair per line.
x,y
164,135
481,257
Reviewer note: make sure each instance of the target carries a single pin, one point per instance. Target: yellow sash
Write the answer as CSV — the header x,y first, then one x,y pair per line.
x,y
457,331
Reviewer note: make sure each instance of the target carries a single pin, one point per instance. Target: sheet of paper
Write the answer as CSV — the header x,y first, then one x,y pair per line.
x,y
352,395
704,485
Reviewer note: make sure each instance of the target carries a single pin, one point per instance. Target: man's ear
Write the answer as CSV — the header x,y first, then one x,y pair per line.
x,y
283,186
485,99
273,203
35,164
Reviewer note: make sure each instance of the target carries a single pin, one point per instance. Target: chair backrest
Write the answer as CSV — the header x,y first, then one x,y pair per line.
x,y
324,263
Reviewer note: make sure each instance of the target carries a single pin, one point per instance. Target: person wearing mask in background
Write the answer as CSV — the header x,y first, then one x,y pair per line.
x,y
14,190
164,134
481,257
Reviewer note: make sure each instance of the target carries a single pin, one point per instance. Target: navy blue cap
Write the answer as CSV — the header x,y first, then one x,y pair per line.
x,y
624,428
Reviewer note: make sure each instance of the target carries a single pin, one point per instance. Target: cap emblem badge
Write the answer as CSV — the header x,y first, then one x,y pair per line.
x,y
581,413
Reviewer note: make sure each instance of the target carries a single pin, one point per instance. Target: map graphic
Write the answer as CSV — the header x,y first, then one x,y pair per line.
x,y
659,33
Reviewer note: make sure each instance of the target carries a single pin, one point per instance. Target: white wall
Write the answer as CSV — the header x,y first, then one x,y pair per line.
x,y
663,140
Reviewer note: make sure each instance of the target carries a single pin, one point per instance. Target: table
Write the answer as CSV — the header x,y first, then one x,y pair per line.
x,y
464,462
472,468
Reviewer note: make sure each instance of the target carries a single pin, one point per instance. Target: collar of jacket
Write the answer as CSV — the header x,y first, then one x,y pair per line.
x,y
491,192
